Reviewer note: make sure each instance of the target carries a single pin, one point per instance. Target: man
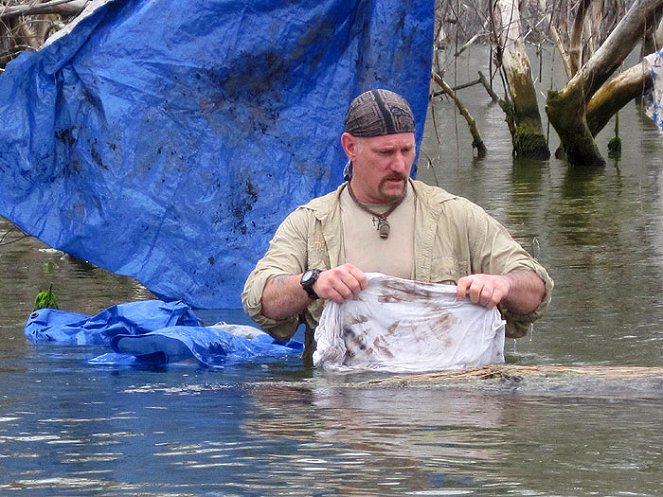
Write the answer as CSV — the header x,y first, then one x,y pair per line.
x,y
383,221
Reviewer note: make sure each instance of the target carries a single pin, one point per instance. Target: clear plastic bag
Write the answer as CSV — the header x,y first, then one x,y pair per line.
x,y
653,98
399,325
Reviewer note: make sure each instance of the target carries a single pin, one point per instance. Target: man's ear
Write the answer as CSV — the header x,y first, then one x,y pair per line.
x,y
349,144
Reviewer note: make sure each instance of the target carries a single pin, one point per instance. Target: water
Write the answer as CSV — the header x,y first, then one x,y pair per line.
x,y
68,428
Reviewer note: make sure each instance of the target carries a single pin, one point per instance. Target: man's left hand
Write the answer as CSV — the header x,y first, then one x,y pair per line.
x,y
487,290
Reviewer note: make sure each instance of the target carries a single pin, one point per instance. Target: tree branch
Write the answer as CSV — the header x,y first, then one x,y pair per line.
x,y
477,141
63,7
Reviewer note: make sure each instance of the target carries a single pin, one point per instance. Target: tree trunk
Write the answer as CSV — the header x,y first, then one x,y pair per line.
x,y
615,94
567,115
527,131
576,45
567,108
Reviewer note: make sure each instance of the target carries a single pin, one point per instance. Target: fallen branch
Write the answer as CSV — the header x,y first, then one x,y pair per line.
x,y
477,141
469,43
11,230
488,88
482,79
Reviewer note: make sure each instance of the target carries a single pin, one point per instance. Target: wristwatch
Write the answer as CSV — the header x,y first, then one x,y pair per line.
x,y
308,280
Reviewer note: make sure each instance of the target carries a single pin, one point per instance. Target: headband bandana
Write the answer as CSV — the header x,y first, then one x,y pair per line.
x,y
378,113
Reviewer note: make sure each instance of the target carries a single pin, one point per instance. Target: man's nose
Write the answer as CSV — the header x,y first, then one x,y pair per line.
x,y
399,162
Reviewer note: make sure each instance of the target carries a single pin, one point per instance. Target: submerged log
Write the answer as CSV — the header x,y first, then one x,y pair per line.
x,y
522,108
610,381
516,371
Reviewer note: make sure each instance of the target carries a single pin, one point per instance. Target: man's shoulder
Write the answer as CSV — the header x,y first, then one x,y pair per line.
x,y
432,194
323,203
438,199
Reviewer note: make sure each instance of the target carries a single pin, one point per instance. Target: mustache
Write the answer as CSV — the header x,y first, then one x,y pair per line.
x,y
395,176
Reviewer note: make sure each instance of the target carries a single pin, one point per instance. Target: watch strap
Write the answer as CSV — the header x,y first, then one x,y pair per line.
x,y
308,280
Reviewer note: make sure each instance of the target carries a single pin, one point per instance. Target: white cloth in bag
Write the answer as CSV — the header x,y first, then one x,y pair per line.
x,y
399,325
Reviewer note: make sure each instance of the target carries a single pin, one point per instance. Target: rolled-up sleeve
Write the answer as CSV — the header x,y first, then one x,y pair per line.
x,y
517,325
496,252
286,255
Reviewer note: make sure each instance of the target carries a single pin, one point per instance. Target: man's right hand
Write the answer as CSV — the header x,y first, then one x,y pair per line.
x,y
340,283
283,295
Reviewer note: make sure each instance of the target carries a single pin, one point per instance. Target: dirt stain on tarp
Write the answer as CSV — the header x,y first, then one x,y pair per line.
x,y
242,206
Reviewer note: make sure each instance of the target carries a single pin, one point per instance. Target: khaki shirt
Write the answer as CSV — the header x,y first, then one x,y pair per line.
x,y
453,238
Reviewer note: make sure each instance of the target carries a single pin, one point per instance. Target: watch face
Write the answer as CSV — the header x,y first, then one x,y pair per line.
x,y
308,277
308,280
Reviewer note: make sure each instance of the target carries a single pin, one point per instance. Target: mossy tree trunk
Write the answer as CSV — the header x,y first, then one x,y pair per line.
x,y
615,94
521,107
566,112
567,109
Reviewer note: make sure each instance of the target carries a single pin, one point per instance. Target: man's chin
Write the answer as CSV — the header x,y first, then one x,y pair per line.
x,y
393,190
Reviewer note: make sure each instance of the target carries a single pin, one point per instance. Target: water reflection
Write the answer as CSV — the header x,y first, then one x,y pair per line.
x,y
435,441
399,440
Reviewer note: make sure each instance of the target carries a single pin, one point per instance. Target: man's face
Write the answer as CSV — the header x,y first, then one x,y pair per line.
x,y
381,165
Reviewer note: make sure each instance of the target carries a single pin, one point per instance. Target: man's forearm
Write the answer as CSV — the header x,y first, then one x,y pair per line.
x,y
283,297
526,293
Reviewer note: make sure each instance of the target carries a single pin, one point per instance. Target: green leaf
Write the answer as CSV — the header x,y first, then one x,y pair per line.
x,y
46,299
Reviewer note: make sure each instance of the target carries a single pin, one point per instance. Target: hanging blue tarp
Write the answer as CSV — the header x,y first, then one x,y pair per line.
x,y
166,139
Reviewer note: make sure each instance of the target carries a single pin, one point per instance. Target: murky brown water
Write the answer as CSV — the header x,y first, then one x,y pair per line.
x,y
68,428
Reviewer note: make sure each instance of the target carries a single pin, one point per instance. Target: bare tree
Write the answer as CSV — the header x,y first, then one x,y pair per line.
x,y
521,104
567,109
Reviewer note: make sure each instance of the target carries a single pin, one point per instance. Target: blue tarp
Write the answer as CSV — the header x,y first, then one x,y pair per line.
x,y
131,318
156,332
211,346
166,139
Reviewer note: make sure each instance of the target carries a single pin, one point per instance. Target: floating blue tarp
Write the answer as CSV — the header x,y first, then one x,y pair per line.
x,y
156,332
166,139
212,346
131,318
